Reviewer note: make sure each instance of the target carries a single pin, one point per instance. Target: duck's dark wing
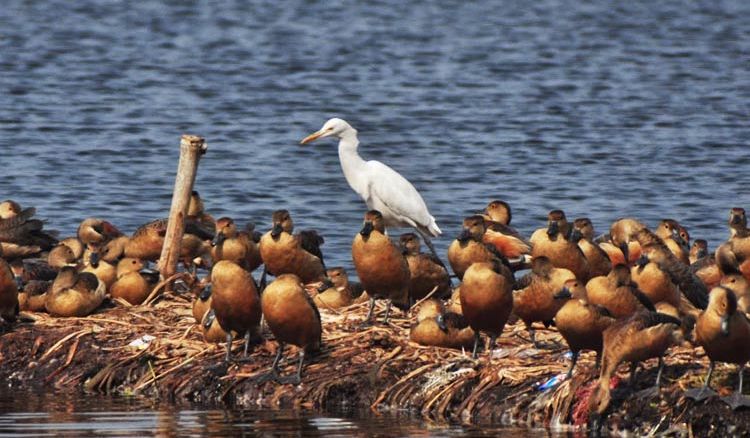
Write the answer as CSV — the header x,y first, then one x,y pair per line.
x,y
310,241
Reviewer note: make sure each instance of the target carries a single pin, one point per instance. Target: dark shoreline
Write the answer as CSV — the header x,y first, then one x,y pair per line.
x,y
376,368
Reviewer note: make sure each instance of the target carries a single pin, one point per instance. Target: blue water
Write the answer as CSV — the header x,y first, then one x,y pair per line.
x,y
603,109
53,414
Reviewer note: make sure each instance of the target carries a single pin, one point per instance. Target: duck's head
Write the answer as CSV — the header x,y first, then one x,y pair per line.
x,y
282,221
373,222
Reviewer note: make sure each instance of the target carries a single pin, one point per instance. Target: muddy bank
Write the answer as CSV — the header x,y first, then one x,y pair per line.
x,y
374,368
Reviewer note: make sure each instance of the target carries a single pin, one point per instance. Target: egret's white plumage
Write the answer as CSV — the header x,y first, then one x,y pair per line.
x,y
381,187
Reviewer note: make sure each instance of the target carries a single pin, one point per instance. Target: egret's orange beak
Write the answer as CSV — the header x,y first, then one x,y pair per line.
x,y
312,137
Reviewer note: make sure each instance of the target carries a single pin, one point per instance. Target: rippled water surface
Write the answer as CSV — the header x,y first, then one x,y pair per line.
x,y
599,108
602,109
31,414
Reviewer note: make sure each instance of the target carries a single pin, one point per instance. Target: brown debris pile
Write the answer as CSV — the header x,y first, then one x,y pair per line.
x,y
157,350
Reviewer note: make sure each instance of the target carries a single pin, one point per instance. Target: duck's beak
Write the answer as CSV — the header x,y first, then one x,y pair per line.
x,y
441,322
464,236
220,237
563,293
325,285
312,137
366,229
553,228
94,259
276,231
205,292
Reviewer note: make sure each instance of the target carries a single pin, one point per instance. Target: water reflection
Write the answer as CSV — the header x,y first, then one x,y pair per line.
x,y
84,415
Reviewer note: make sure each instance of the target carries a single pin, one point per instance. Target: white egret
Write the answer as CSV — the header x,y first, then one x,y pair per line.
x,y
381,187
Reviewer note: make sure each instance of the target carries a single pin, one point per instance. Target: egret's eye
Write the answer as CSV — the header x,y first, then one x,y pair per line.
x,y
331,128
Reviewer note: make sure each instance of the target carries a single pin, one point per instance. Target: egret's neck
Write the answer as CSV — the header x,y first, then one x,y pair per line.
x,y
351,163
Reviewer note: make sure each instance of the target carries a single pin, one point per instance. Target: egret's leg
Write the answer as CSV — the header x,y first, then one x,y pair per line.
x,y
429,244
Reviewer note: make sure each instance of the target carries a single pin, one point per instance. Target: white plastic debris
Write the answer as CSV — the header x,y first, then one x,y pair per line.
x,y
142,343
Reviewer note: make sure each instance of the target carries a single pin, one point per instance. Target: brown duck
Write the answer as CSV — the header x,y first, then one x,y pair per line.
x,y
436,327
202,303
469,246
211,329
95,233
581,323
134,281
622,235
8,293
741,288
597,258
426,271
554,242
292,317
75,294
617,293
104,271
642,336
235,299
535,300
335,292
671,232
147,241
21,235
500,234
698,251
284,253
114,250
33,296
655,282
197,211
230,244
704,264
656,251
738,245
724,333
382,269
61,255
487,299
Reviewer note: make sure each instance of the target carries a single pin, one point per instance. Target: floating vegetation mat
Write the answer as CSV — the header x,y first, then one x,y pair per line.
x,y
157,351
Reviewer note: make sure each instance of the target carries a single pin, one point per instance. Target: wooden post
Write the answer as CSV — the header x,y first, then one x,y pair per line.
x,y
191,149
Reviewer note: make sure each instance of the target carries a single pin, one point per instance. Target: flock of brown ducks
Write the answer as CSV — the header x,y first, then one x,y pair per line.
x,y
628,295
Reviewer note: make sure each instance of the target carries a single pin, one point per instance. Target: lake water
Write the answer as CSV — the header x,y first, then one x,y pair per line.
x,y
603,109
52,414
